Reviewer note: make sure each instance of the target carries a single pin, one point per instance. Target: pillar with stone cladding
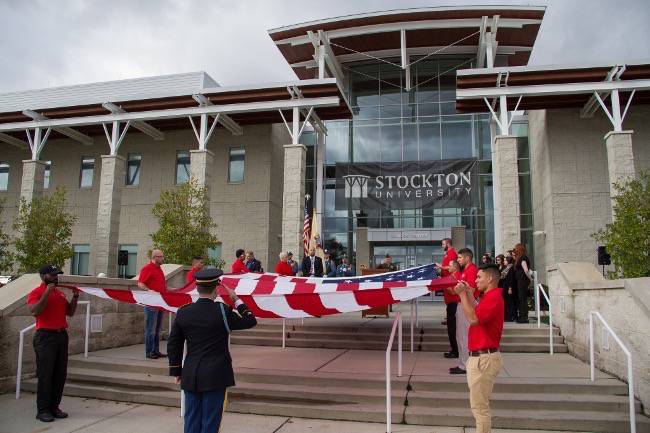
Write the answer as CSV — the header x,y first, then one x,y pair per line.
x,y
32,181
293,196
108,214
201,163
505,184
620,160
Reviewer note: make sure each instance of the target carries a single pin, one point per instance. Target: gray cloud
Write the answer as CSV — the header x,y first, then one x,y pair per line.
x,y
52,43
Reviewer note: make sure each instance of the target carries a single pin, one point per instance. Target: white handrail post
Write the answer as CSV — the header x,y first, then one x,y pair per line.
x,y
550,325
630,391
19,369
169,324
537,308
399,344
417,316
87,335
412,308
284,333
591,345
389,409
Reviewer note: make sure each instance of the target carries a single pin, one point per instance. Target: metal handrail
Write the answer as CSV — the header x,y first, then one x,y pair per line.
x,y
397,324
630,377
21,343
540,289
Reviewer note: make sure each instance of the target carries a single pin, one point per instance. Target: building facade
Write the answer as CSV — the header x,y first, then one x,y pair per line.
x,y
405,127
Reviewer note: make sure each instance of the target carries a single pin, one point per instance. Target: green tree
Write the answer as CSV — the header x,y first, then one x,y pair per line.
x,y
43,230
628,238
184,224
6,258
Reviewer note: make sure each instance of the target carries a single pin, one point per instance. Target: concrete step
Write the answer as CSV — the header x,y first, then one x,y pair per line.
x,y
525,347
526,401
591,421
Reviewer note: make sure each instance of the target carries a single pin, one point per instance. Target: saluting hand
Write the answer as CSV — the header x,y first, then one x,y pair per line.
x,y
177,380
233,295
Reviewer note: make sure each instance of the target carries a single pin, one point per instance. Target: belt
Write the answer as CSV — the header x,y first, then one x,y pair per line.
x,y
53,331
482,352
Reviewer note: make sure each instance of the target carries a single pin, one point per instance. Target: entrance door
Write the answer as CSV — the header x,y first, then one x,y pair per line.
x,y
408,256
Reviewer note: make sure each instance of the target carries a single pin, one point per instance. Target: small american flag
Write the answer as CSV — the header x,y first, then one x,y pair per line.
x,y
306,226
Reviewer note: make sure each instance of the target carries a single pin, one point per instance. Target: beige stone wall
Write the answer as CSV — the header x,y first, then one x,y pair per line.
x,y
248,214
578,288
571,182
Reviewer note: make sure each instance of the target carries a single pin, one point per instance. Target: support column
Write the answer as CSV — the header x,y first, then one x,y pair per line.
x,y
201,163
620,160
293,197
505,181
32,182
108,214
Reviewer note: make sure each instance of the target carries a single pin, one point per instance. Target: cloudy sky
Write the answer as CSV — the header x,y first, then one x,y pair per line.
x,y
58,42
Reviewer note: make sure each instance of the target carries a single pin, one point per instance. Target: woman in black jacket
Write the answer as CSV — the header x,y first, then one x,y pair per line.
x,y
523,278
509,285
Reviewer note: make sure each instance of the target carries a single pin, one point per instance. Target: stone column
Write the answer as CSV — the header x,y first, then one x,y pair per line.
x,y
363,249
620,159
108,214
293,198
32,182
458,237
505,182
201,163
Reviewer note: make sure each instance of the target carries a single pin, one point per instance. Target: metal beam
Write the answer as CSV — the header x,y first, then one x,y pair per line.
x,y
591,106
14,141
552,89
480,54
68,132
151,131
224,119
310,115
251,107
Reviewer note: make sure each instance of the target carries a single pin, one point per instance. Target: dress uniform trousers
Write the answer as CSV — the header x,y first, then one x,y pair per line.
x,y
204,411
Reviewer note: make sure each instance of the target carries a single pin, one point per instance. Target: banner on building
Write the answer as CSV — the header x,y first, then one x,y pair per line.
x,y
406,185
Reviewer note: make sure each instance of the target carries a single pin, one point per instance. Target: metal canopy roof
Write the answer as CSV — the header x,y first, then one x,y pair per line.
x,y
426,30
554,86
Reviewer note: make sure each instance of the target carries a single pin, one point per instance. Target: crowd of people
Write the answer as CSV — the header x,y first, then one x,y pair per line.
x,y
313,266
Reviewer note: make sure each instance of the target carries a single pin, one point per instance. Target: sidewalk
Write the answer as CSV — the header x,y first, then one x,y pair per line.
x,y
100,416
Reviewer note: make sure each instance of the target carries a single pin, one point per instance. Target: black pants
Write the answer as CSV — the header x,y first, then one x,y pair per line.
x,y
51,349
451,326
522,302
510,301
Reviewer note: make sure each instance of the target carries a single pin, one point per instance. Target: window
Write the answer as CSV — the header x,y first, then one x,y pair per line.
x,y
80,259
130,269
4,176
133,169
215,253
182,166
236,165
87,171
46,174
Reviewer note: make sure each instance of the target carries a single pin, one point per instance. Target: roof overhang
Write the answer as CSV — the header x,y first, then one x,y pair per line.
x,y
548,87
426,30
244,105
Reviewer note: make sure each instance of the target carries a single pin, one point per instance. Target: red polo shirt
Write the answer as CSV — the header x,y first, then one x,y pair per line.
x,y
190,275
153,277
450,255
53,315
238,267
487,333
283,268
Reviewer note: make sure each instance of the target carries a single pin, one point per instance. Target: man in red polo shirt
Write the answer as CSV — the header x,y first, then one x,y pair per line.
x,y
486,327
451,300
50,307
152,278
197,265
468,275
238,266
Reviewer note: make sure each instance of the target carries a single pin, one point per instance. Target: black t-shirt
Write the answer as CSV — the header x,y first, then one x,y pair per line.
x,y
520,275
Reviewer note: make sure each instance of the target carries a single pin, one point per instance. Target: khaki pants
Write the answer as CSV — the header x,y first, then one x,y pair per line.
x,y
482,371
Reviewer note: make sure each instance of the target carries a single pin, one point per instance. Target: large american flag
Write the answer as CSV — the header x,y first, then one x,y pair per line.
x,y
273,296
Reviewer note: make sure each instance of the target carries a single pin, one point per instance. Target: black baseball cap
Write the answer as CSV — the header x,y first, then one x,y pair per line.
x,y
49,269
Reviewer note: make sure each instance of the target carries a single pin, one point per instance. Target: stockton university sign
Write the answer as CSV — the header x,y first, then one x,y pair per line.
x,y
406,185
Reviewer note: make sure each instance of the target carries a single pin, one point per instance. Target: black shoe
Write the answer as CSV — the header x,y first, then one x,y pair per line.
x,y
450,355
457,370
152,356
161,355
58,413
45,416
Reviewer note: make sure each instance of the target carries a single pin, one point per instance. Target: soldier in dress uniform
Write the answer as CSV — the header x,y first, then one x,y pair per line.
x,y
207,371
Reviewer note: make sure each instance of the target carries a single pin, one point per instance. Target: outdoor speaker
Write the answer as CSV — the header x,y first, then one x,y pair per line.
x,y
122,258
603,257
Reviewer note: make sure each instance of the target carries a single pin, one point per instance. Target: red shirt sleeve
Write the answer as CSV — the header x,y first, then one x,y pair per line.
x,y
469,275
34,296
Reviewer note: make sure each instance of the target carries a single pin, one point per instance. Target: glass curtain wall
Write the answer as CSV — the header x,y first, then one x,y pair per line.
x,y
391,124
